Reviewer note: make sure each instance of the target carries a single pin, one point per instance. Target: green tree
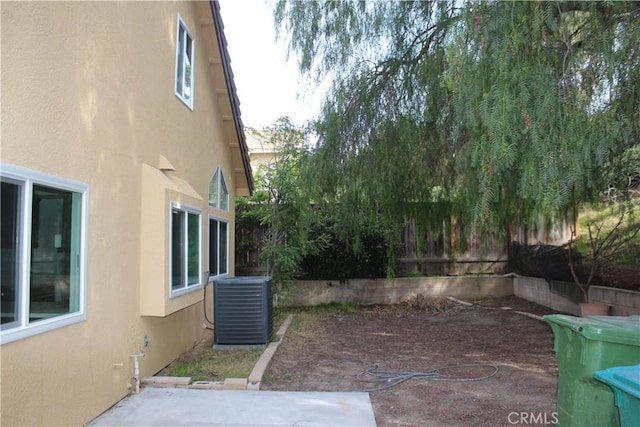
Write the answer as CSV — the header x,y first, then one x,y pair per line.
x,y
282,201
488,111
610,238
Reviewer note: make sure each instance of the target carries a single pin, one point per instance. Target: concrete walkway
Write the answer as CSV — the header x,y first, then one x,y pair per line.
x,y
237,402
189,407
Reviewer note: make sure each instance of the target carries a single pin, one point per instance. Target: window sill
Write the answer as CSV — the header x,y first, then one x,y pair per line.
x,y
185,101
184,291
41,326
219,276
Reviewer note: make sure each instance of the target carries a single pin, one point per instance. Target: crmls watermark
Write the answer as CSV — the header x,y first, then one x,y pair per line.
x,y
537,418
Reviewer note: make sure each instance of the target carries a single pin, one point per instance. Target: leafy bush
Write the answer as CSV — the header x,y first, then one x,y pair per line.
x,y
339,260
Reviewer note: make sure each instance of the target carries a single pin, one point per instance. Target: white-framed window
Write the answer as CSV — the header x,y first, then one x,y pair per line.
x,y
218,192
186,250
218,247
43,252
184,63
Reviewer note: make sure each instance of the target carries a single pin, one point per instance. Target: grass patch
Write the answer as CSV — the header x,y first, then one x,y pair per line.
x,y
609,234
184,369
331,307
337,307
203,363
608,217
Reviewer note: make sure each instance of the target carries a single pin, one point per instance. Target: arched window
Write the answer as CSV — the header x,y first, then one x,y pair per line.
x,y
218,193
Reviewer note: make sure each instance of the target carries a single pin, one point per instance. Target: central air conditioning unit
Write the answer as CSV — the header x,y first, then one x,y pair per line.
x,y
242,310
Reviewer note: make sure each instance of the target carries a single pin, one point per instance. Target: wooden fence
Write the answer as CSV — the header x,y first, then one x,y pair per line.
x,y
429,251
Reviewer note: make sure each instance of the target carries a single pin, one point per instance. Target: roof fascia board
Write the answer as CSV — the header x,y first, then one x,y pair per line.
x,y
231,90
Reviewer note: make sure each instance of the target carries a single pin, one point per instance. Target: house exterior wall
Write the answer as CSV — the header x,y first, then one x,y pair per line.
x,y
88,95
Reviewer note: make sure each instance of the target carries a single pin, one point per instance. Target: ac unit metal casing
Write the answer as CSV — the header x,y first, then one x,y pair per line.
x,y
242,310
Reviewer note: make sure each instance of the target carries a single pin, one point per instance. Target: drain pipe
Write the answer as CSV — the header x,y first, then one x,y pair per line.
x,y
136,368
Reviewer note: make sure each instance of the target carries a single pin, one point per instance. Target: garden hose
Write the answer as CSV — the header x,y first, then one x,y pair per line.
x,y
392,379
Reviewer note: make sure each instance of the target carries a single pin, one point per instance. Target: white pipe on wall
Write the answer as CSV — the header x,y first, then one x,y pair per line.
x,y
136,369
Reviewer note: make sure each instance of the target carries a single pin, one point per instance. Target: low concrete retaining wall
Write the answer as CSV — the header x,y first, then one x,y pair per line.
x,y
538,290
391,291
622,302
444,266
381,291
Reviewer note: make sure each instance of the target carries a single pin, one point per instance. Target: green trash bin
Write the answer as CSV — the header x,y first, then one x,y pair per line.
x,y
625,382
584,345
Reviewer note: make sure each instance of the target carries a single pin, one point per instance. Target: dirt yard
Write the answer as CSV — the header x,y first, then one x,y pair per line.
x,y
330,350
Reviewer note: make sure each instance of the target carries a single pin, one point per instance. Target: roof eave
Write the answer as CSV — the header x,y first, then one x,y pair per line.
x,y
231,90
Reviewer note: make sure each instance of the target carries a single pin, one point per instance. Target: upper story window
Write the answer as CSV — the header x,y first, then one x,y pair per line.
x,y
43,252
184,64
218,193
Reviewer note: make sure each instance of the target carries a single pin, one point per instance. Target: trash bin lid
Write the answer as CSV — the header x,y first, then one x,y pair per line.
x,y
625,378
616,329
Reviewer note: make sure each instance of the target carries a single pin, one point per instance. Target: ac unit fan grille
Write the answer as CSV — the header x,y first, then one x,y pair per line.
x,y
243,312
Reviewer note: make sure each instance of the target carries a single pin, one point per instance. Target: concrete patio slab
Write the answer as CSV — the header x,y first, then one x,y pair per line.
x,y
189,407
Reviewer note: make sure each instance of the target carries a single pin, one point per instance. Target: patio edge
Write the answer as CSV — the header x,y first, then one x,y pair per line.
x,y
253,382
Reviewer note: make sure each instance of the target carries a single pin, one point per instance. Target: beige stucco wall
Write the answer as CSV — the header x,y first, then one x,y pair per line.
x,y
88,95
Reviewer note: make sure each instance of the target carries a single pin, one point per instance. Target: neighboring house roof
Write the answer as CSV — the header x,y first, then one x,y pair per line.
x,y
258,144
239,147
260,151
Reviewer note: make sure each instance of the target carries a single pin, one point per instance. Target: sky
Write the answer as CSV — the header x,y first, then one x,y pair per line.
x,y
268,85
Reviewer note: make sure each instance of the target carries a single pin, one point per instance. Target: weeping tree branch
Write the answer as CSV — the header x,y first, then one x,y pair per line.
x,y
503,107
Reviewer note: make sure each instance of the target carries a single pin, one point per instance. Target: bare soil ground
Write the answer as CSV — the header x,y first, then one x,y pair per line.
x,y
329,350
